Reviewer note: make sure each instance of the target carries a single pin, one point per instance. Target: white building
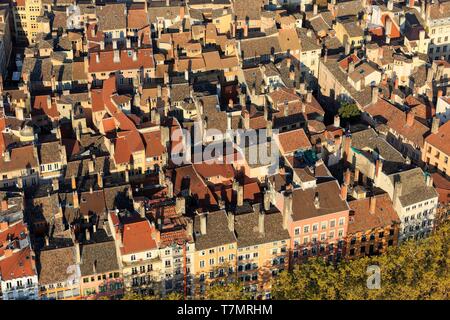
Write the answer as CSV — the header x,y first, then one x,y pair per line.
x,y
414,199
443,108
18,275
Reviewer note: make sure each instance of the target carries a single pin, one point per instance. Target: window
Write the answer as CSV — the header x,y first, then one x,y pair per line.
x,y
324,225
305,240
149,254
315,227
202,263
305,229
297,231
341,221
332,223
211,262
133,257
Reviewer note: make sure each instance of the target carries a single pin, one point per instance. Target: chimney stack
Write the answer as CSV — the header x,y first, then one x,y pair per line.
x,y
287,208
55,184
435,125
378,167
316,200
409,118
240,195
88,234
100,179
203,223
344,191
230,216
180,205
374,95
73,182
266,200
337,121
261,222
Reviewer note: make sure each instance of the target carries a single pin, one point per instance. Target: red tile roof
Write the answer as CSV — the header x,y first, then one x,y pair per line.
x,y
293,140
440,139
144,59
20,264
395,119
137,237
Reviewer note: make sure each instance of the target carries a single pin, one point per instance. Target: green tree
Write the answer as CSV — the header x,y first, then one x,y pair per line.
x,y
228,291
413,270
349,111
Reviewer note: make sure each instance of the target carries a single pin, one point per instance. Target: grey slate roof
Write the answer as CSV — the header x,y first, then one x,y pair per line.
x,y
217,232
100,257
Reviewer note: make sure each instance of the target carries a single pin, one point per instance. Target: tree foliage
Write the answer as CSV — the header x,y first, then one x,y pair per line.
x,y
349,111
228,291
413,270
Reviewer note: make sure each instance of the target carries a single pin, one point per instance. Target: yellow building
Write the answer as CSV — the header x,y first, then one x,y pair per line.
x,y
59,274
216,248
349,32
436,150
29,19
263,245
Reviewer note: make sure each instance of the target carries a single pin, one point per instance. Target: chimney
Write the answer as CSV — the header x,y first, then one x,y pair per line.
x,y
77,253
347,47
142,210
390,5
378,167
230,221
356,177
397,190
240,195
411,3
91,166
203,224
287,208
347,145
428,180
409,118
337,121
347,176
266,200
351,66
7,155
3,224
309,96
261,222
94,228
230,103
127,175
315,9
435,125
76,202
100,179
73,182
316,200
180,205
19,113
88,234
189,228
372,204
344,191
245,30
169,186
4,208
116,58
55,184
374,95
